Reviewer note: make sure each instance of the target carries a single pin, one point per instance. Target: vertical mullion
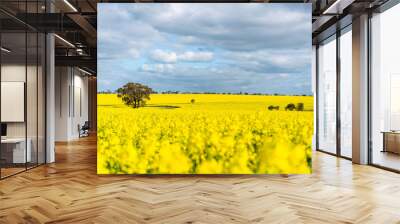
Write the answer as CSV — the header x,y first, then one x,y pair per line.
x,y
369,89
317,97
338,81
45,94
60,86
0,92
26,86
37,90
45,88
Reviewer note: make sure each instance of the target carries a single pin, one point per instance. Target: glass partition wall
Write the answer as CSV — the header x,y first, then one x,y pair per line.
x,y
334,84
22,98
385,89
327,95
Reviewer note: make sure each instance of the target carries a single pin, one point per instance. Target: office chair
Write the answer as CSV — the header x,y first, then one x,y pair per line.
x,y
84,130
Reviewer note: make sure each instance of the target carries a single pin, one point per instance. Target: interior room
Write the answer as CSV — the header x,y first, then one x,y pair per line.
x,y
385,89
22,104
49,134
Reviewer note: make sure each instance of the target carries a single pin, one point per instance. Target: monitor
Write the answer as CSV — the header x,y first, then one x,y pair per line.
x,y
3,129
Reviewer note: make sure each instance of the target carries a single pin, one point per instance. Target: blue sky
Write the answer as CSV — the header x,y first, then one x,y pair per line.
x,y
255,48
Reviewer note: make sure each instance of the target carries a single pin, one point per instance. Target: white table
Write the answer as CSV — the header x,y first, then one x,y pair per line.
x,y
19,153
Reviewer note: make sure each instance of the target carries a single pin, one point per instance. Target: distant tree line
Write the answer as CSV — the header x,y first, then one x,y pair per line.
x,y
230,93
222,93
290,107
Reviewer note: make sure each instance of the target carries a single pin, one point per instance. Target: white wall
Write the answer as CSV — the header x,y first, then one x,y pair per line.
x,y
17,73
71,102
33,126
62,82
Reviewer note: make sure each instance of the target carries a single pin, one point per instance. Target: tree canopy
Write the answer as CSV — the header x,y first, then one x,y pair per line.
x,y
134,94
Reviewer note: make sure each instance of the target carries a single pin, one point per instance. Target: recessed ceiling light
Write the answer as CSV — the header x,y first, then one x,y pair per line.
x,y
337,7
64,40
84,71
5,50
70,5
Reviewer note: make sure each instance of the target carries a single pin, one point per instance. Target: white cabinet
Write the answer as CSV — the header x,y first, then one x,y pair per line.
x,y
19,155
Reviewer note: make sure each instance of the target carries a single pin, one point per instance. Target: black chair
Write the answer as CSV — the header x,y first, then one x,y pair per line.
x,y
84,130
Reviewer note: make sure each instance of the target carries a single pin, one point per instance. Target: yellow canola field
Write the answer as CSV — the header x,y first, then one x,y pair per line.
x,y
217,134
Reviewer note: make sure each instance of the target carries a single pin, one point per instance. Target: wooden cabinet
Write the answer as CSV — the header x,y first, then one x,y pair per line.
x,y
391,142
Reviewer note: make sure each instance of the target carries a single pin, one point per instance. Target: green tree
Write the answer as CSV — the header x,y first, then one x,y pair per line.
x,y
300,106
290,107
134,94
272,107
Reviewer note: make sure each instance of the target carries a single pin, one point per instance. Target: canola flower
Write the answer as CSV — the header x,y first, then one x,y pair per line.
x,y
230,134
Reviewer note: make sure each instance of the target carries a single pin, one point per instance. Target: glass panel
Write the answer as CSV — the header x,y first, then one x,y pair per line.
x,y
31,98
32,88
23,90
13,86
386,89
327,96
41,99
346,93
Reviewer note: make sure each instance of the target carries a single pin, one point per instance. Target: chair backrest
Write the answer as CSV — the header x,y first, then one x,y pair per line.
x,y
86,125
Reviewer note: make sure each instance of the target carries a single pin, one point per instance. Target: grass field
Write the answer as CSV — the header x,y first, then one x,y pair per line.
x,y
230,134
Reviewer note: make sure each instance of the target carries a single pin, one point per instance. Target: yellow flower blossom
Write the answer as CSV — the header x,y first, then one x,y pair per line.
x,y
233,134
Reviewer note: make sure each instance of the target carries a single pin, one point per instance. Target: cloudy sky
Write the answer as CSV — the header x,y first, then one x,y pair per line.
x,y
255,48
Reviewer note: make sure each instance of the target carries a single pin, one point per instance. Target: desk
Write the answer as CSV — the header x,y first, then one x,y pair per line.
x,y
18,150
391,141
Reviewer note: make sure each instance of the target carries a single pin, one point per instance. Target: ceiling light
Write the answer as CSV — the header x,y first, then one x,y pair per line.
x,y
84,71
70,5
5,50
337,7
327,11
65,41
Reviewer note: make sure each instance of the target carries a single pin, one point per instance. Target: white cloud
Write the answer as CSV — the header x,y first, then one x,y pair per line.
x,y
278,60
284,75
164,56
189,56
112,54
133,53
105,82
267,50
157,68
196,56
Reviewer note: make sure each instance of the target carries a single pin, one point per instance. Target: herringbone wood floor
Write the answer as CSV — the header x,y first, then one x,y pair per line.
x,y
69,191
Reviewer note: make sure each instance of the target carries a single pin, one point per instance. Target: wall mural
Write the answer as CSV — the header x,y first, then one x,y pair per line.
x,y
204,89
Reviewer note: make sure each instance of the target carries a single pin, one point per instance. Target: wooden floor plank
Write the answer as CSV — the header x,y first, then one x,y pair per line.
x,y
70,191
